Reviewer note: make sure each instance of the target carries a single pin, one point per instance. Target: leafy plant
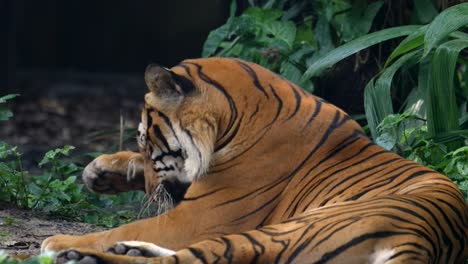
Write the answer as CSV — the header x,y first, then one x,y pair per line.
x,y
432,128
287,36
5,259
56,191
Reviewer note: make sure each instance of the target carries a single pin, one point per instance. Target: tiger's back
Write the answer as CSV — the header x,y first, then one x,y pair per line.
x,y
266,173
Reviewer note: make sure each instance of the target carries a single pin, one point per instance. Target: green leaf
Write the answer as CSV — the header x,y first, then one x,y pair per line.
x,y
5,114
7,97
377,94
411,42
355,46
233,8
387,140
445,23
323,35
442,109
263,15
52,155
305,34
285,31
359,20
425,10
215,38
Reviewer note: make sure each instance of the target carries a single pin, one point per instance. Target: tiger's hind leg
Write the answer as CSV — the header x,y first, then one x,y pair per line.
x,y
113,173
397,229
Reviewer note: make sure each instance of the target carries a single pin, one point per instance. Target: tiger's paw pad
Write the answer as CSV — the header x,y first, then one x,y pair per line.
x,y
73,255
138,248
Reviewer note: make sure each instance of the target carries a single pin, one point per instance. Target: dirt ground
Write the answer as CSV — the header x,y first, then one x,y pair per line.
x,y
45,119
22,232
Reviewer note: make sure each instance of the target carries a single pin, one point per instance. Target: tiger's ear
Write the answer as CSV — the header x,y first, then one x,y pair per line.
x,y
166,84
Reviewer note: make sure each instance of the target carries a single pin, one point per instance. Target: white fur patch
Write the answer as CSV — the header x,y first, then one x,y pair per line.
x,y
141,139
198,155
381,256
150,247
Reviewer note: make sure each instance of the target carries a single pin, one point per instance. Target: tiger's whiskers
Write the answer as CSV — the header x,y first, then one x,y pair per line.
x,y
160,198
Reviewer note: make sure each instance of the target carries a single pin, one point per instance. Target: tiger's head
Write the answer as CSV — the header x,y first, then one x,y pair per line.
x,y
178,129
205,116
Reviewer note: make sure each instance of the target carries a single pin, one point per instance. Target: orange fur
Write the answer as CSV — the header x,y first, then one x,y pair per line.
x,y
276,175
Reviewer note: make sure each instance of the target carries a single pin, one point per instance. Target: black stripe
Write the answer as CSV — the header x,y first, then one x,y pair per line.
x,y
194,198
186,68
259,208
198,254
318,107
308,190
298,98
257,107
254,77
231,136
349,177
158,133
354,242
282,179
220,88
255,244
228,251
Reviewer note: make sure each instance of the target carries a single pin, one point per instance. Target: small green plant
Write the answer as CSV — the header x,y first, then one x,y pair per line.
x,y
56,191
5,259
407,134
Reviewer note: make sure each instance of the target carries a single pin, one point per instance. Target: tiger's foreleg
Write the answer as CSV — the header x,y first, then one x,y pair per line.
x,y
384,230
113,173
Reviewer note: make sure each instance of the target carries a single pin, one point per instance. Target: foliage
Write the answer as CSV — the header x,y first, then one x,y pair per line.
x,y
408,135
287,36
56,190
5,259
433,127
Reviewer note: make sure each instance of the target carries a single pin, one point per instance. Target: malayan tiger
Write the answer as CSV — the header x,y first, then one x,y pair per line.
x,y
262,172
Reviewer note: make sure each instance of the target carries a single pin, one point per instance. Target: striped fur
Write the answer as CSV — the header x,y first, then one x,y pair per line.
x,y
263,172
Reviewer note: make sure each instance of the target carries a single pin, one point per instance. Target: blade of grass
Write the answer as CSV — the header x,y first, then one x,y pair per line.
x,y
445,23
411,42
377,95
441,99
354,46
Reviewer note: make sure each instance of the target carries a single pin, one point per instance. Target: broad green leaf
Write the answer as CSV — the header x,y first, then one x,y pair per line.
x,y
5,114
305,34
386,140
263,15
323,35
214,39
441,100
294,10
358,21
285,31
233,8
425,10
411,42
445,23
7,97
377,94
355,46
52,155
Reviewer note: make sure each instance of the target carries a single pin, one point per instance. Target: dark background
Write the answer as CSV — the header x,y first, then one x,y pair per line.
x,y
78,65
87,36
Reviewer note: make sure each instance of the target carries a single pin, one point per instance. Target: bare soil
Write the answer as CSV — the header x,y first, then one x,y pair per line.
x,y
22,232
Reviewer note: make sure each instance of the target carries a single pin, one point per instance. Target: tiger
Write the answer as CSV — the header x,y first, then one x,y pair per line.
x,y
260,171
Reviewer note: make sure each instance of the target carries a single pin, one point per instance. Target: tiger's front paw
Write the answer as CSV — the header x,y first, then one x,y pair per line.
x,y
57,243
73,255
114,173
139,248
